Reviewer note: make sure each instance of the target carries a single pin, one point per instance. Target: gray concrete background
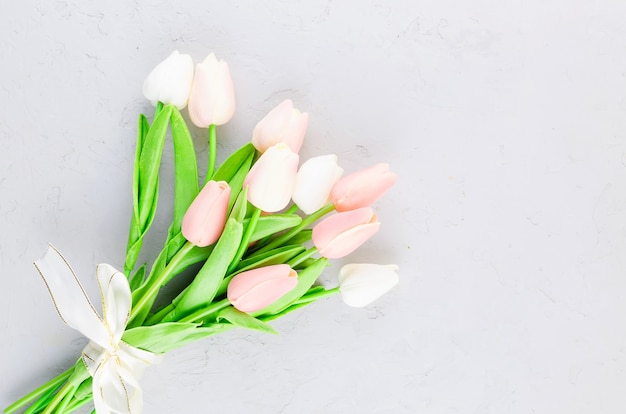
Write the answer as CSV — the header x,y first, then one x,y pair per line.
x,y
505,121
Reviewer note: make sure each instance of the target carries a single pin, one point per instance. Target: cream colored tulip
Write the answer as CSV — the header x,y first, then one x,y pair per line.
x,y
314,181
282,124
170,81
361,284
212,99
271,179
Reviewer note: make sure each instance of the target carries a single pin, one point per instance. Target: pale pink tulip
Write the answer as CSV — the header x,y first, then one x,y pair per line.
x,y
362,188
271,179
170,81
212,99
361,284
282,124
204,220
342,233
255,289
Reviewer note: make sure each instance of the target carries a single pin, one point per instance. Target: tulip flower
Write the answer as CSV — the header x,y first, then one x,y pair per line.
x,y
362,188
271,179
282,124
342,233
314,181
255,289
361,284
204,220
170,81
212,99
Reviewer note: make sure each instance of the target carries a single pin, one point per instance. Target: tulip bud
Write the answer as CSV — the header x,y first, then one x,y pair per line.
x,y
255,289
212,99
314,181
170,81
204,220
282,124
361,284
342,233
271,179
362,188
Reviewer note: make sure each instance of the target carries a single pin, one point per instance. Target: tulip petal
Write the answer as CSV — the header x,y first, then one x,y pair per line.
x,y
212,98
314,181
361,284
170,81
255,289
283,124
332,226
205,218
362,188
271,180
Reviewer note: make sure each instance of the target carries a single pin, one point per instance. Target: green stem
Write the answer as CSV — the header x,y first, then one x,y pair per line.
x,y
200,314
154,319
212,150
292,209
297,229
50,408
302,257
62,408
49,386
147,298
315,296
245,240
75,404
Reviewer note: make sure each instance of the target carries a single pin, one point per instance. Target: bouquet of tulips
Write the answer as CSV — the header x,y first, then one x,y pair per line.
x,y
257,258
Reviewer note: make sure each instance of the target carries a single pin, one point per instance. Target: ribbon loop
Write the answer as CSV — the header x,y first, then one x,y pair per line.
x,y
114,365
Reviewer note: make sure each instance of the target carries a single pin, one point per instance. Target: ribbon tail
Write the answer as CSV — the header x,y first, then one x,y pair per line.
x,y
69,297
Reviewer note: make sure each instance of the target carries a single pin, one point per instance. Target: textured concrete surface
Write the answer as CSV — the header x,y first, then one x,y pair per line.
x,y
505,120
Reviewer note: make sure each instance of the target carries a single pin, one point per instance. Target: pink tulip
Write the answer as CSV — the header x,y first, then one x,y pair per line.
x,y
362,188
271,180
204,220
212,99
255,289
282,124
342,233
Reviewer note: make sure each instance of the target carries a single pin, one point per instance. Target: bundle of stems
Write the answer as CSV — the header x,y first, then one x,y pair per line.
x,y
249,241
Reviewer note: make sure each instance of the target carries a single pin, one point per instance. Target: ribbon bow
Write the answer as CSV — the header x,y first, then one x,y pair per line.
x,y
114,365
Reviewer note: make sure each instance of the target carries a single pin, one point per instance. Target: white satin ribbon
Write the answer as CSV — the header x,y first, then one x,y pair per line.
x,y
114,365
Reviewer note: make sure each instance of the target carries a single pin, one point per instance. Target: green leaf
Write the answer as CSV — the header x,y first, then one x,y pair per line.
x,y
149,163
138,277
132,252
239,209
235,169
269,225
244,320
164,337
233,163
276,256
204,286
306,263
289,309
186,170
302,237
306,278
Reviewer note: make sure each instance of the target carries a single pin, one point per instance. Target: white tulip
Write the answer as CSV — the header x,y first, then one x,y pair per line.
x,y
170,81
361,284
315,179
